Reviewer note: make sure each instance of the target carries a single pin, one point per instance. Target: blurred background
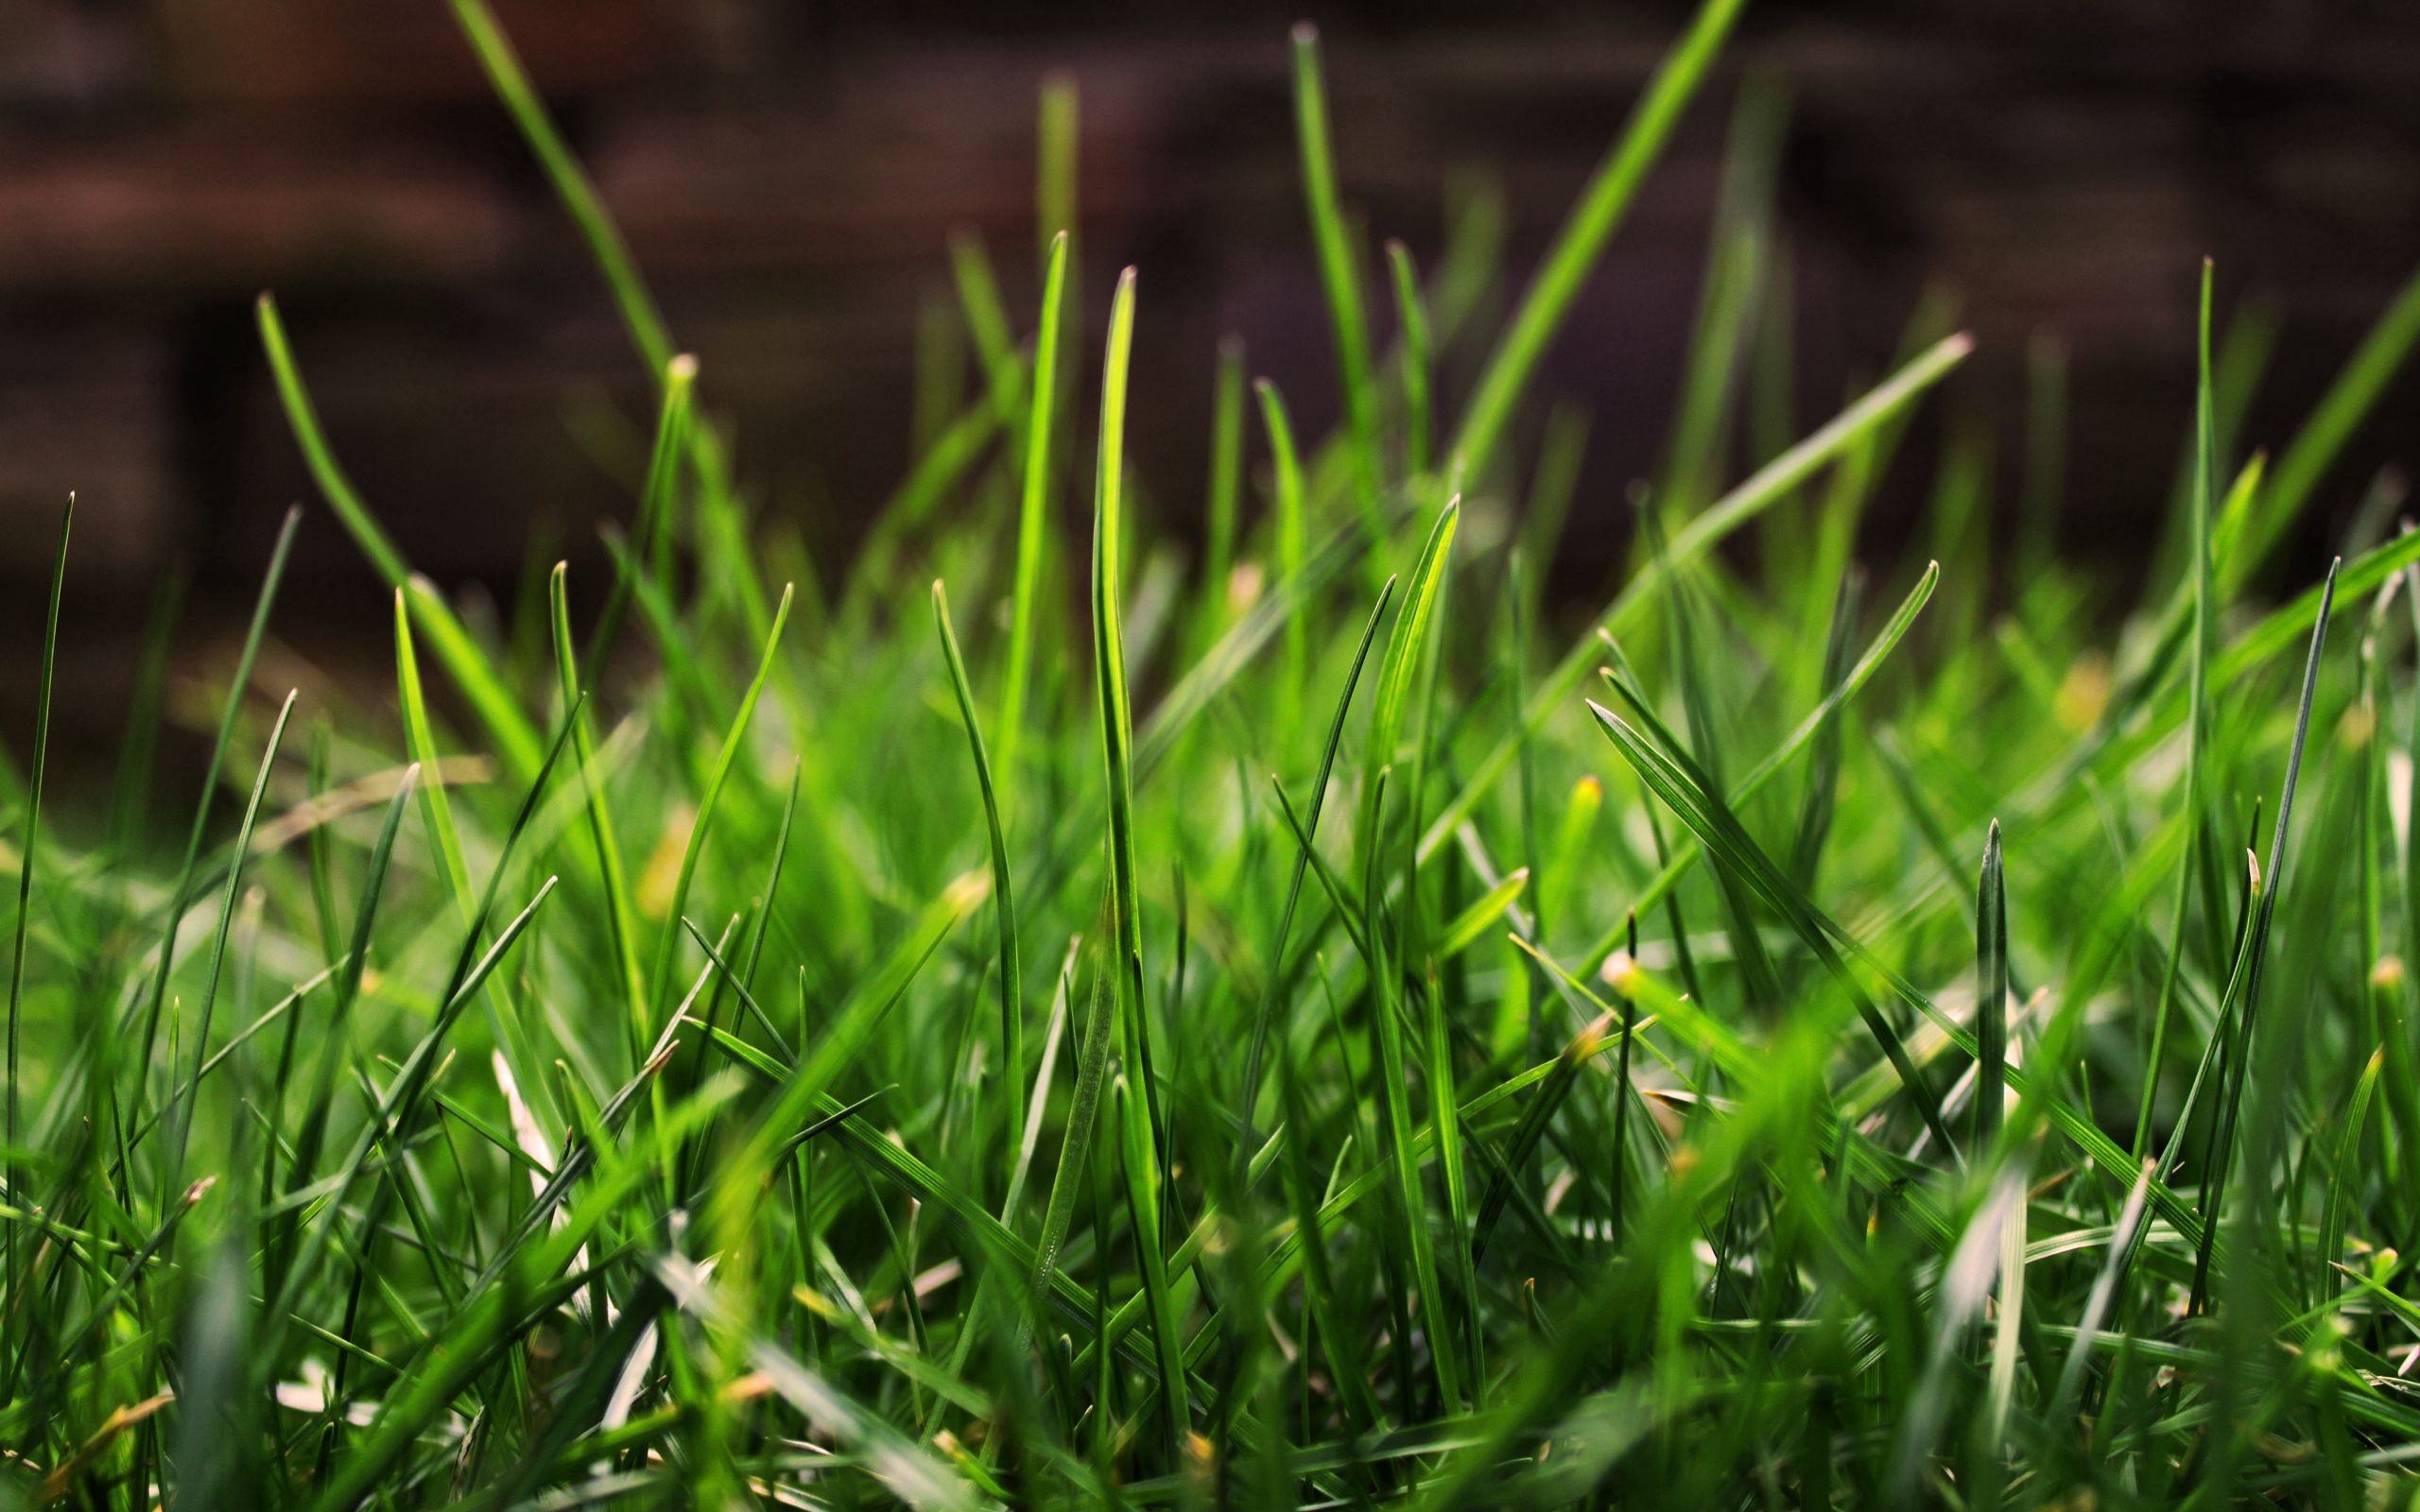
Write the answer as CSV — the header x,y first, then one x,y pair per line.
x,y
790,172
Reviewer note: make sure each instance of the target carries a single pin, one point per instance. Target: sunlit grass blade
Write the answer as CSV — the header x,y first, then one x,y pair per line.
x,y
1990,991
2228,1111
1033,509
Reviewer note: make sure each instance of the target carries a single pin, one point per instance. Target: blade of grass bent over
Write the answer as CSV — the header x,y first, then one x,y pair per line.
x,y
464,661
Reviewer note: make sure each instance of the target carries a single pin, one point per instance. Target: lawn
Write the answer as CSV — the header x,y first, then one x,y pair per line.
x,y
1223,991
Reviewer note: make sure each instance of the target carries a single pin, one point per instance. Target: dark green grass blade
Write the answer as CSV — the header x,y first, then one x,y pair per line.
x,y
1878,650
1394,1099
2197,710
1141,1167
1990,991
1092,1061
1756,974
1138,1119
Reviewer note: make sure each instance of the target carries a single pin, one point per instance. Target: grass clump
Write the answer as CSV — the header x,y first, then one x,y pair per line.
x,y
1263,1036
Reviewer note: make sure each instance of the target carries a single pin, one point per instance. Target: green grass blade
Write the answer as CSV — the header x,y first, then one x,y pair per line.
x,y
660,980
26,859
612,882
2340,411
463,659
175,1180
1767,486
1286,498
1276,971
1684,792
1417,344
1225,489
1033,509
1348,317
1582,241
244,660
1011,1071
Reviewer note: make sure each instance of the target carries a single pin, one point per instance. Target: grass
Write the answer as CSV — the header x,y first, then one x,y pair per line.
x,y
992,1023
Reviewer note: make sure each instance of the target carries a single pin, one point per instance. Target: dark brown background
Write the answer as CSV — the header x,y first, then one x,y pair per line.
x,y
787,174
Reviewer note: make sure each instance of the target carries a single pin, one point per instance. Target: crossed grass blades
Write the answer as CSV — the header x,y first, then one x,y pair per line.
x,y
1248,1029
